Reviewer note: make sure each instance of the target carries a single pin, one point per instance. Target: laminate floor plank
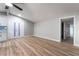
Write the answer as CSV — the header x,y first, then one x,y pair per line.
x,y
35,46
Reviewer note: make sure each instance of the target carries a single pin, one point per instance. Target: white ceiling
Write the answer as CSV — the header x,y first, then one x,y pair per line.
x,y
42,11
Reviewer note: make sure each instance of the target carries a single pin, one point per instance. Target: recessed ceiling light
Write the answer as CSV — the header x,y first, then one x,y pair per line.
x,y
19,15
8,4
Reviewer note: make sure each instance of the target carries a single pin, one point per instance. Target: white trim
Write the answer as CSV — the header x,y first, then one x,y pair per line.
x,y
74,31
76,45
47,38
66,17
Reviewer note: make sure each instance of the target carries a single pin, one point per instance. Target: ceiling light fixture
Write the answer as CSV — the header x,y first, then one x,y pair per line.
x,y
8,4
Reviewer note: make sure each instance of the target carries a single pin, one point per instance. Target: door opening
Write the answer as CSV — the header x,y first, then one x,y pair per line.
x,y
67,30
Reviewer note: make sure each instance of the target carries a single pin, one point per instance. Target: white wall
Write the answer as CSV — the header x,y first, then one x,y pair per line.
x,y
3,20
26,27
11,21
48,29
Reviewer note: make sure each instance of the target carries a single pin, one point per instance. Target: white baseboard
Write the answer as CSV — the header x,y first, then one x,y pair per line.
x,y
47,38
20,37
77,45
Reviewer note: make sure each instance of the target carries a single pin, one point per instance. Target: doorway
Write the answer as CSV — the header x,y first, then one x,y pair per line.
x,y
67,30
18,29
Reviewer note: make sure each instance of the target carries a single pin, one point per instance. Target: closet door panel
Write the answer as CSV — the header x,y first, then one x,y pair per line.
x,y
21,29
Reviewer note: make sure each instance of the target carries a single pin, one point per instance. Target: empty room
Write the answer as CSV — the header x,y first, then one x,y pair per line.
x,y
39,29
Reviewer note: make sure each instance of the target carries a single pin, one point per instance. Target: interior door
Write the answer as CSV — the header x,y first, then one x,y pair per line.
x,y
18,30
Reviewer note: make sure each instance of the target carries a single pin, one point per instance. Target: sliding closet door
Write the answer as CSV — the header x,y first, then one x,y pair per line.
x,y
15,27
21,29
18,30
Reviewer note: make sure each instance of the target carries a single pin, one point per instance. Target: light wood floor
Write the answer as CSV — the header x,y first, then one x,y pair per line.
x,y
33,46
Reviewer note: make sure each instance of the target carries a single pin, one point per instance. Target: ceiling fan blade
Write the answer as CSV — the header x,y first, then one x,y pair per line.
x,y
17,7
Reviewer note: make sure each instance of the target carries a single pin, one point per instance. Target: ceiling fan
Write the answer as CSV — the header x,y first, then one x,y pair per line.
x,y
7,5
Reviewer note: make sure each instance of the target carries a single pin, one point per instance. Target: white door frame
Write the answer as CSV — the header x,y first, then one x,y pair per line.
x,y
73,29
